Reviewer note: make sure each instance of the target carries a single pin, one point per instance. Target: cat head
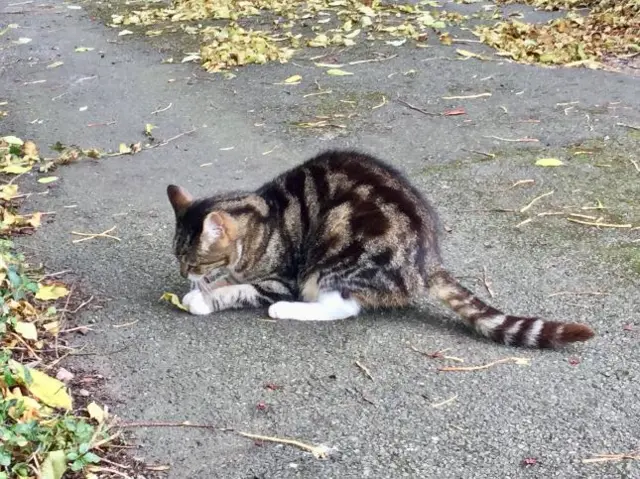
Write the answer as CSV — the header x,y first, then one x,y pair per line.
x,y
205,237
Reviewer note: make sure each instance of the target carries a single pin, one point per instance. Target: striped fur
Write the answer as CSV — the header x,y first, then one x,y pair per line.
x,y
341,232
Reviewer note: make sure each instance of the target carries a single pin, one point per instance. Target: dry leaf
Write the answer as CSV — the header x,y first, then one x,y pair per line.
x,y
51,292
64,375
84,49
26,330
16,169
293,80
55,64
173,299
47,179
54,465
48,390
549,162
338,72
96,412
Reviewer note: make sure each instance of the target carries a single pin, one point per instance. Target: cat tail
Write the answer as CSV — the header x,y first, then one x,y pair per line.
x,y
503,328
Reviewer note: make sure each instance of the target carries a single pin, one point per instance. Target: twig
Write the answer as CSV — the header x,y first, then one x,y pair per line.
x,y
466,97
106,440
633,456
516,140
488,155
71,330
109,470
487,283
53,275
106,123
445,402
164,424
170,139
578,293
35,355
125,324
364,369
533,201
633,127
519,361
521,182
409,105
437,355
371,60
603,225
319,452
635,163
384,102
104,234
160,110
82,305
102,459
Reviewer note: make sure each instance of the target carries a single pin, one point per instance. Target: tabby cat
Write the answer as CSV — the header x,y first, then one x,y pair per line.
x,y
337,234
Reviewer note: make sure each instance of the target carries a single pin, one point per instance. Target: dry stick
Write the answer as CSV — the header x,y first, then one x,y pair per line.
x,y
53,275
635,163
35,355
364,369
488,155
578,293
167,424
487,283
171,139
82,305
445,402
603,225
533,201
160,110
521,361
320,452
516,140
102,459
109,470
466,97
437,354
409,105
104,234
633,127
633,456
371,60
61,321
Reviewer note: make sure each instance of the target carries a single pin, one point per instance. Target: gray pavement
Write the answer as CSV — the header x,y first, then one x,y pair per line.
x,y
559,410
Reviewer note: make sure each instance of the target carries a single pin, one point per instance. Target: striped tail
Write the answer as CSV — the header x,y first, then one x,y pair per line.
x,y
500,327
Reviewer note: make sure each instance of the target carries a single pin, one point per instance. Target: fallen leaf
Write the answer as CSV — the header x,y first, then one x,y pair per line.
x,y
337,72
47,179
148,128
125,32
47,389
22,40
549,162
96,412
54,465
26,330
123,149
51,292
295,79
173,299
84,49
13,140
55,64
30,149
16,169
396,43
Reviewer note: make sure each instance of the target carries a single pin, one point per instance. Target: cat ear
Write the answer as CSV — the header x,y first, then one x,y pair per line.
x,y
217,226
179,197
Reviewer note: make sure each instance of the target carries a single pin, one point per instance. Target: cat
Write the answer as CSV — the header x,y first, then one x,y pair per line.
x,y
341,233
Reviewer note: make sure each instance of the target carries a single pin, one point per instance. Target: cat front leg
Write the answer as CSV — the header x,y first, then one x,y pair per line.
x,y
237,296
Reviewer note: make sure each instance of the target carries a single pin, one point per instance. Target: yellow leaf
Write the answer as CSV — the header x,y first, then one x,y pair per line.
x,y
84,49
295,79
26,330
54,465
35,220
148,128
549,162
123,148
12,140
173,299
47,179
44,388
8,191
96,412
51,292
337,72
16,169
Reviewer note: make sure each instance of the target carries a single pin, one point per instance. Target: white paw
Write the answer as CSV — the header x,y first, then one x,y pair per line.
x,y
187,298
196,304
289,310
